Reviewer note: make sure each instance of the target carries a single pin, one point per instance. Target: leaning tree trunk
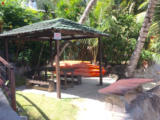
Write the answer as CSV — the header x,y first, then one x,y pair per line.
x,y
87,10
81,21
141,39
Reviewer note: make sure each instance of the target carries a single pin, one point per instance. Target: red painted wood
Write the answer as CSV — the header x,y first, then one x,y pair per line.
x,y
1,82
124,85
10,72
5,62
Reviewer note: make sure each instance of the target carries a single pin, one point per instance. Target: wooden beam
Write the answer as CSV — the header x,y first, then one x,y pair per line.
x,y
100,61
58,82
86,37
5,63
43,38
49,33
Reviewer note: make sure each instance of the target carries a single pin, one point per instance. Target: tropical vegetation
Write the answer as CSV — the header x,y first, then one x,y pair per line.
x,y
121,19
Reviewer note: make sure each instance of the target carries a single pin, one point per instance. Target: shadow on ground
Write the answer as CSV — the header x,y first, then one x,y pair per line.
x,y
89,88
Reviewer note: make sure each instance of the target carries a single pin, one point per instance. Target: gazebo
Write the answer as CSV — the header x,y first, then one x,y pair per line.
x,y
54,30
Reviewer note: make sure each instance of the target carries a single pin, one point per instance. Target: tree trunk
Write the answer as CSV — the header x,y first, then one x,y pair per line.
x,y
141,39
87,10
81,21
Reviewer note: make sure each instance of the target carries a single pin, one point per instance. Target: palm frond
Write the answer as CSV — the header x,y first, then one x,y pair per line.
x,y
156,57
143,5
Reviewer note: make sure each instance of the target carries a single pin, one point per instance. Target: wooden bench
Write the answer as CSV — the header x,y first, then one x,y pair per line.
x,y
77,79
50,84
42,81
67,77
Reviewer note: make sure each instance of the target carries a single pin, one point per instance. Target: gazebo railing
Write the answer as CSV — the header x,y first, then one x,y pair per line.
x,y
7,81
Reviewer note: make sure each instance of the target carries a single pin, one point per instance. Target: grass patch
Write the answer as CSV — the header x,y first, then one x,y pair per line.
x,y
40,107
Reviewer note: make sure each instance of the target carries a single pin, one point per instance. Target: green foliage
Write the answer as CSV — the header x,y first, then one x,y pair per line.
x,y
71,9
116,17
1,17
121,43
25,56
28,54
146,55
122,28
113,17
154,34
15,16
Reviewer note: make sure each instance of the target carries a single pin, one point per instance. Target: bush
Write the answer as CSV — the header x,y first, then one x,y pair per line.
x,y
123,32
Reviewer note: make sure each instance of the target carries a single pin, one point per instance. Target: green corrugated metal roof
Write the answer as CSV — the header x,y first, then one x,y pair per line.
x,y
54,24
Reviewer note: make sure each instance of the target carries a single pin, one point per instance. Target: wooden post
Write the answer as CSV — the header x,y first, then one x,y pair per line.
x,y
6,50
58,71
100,61
51,47
51,83
12,86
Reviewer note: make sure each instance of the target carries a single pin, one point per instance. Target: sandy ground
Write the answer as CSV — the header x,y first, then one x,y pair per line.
x,y
91,104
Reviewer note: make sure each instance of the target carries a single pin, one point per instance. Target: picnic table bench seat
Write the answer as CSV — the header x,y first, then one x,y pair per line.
x,y
48,80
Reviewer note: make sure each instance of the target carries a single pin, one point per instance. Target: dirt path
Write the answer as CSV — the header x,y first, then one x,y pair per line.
x,y
97,110
90,103
91,110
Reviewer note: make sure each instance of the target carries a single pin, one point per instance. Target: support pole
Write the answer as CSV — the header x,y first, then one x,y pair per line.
x,y
51,48
6,50
51,83
100,61
58,70
12,86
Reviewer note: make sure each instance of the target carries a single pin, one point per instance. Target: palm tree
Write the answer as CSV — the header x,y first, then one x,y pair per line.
x,y
87,10
141,39
82,20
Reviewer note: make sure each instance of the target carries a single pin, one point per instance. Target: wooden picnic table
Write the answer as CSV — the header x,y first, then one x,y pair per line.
x,y
66,73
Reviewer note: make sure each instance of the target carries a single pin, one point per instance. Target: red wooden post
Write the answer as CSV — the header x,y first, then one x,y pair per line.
x,y
12,86
58,71
100,61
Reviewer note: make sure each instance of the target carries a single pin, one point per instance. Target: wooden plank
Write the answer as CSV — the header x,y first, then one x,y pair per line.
x,y
5,63
38,82
39,88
